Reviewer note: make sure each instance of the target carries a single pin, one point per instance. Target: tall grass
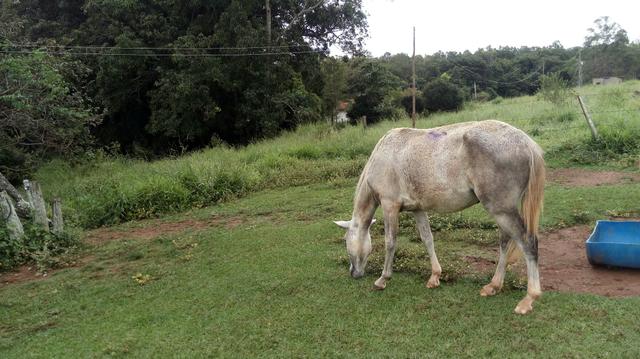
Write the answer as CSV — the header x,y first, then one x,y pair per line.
x,y
113,190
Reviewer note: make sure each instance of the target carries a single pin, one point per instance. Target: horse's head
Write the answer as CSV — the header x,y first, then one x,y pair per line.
x,y
358,242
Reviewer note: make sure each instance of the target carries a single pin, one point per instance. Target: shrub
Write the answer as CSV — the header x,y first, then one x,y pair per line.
x,y
616,142
442,95
618,139
44,249
407,101
554,89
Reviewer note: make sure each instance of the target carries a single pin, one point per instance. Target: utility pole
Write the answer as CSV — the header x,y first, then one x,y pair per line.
x,y
413,77
268,8
580,68
475,91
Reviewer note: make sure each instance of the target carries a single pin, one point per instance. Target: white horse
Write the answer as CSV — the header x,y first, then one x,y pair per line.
x,y
448,169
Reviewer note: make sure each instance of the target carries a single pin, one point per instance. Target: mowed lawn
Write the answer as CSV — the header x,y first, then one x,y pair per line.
x,y
266,277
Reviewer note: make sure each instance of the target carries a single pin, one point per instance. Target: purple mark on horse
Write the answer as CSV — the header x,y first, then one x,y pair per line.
x,y
436,135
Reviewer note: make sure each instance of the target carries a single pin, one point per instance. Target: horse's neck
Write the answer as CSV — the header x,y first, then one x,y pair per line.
x,y
363,204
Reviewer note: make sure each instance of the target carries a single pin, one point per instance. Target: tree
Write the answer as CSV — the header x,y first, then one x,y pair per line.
x,y
607,51
605,33
369,85
334,75
245,88
442,95
42,113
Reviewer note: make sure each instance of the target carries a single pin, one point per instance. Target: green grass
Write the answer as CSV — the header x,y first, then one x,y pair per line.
x,y
107,191
276,285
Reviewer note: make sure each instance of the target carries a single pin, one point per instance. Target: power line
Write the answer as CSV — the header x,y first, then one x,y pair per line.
x,y
23,52
92,47
531,74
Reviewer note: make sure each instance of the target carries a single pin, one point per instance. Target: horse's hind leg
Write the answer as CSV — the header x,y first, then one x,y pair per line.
x,y
422,223
511,223
391,213
498,278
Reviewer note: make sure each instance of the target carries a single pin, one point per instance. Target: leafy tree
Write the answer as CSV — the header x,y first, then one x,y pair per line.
x,y
605,33
334,76
41,112
158,100
369,85
442,95
607,51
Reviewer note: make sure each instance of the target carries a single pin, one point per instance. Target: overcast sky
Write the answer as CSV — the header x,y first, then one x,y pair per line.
x,y
455,25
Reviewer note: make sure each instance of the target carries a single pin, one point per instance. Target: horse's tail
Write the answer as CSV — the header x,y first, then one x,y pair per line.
x,y
532,203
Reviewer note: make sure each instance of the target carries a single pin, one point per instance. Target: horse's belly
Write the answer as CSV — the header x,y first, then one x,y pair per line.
x,y
443,197
447,202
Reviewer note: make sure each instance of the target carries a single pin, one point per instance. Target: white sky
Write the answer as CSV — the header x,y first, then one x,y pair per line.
x,y
456,25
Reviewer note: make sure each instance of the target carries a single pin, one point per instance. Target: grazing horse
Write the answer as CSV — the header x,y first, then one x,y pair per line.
x,y
447,169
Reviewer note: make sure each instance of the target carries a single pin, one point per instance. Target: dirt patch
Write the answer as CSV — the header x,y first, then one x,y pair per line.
x,y
577,177
564,266
21,274
154,228
481,264
150,229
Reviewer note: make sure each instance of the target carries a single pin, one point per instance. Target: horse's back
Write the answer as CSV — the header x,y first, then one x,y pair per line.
x,y
439,168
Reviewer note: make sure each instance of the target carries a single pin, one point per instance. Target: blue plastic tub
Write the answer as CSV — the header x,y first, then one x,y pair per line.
x,y
615,244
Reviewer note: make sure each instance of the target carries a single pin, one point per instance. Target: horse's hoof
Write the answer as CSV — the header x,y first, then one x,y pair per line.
x,y
380,284
488,291
525,306
433,282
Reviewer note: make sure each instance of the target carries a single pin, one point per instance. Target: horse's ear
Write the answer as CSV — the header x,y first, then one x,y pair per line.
x,y
343,224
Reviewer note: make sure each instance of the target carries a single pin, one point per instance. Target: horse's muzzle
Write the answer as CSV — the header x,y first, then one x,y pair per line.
x,y
355,274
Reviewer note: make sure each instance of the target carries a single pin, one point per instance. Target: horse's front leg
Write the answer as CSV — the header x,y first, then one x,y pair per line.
x,y
422,222
391,214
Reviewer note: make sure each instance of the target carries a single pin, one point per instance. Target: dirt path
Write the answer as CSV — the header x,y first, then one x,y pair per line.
x,y
578,177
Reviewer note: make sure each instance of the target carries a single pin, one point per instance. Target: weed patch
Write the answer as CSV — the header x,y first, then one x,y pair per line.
x,y
44,249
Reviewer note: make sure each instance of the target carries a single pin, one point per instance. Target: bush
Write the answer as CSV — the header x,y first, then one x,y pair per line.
x,y
620,139
554,89
407,101
442,95
616,142
45,250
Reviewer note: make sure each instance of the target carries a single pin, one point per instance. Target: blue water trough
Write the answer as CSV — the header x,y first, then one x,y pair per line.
x,y
615,243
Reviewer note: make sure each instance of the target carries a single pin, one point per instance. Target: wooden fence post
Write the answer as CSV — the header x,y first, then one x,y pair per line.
x,y
364,122
8,212
56,210
40,209
592,126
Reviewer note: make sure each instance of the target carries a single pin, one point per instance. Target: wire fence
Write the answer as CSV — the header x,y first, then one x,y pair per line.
x,y
538,116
